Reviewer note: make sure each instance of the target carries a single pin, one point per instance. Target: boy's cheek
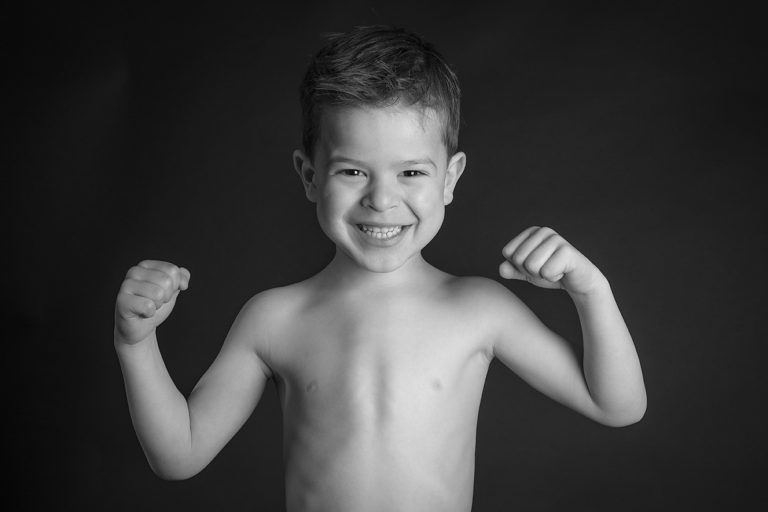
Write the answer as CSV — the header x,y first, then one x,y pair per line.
x,y
331,210
426,196
330,196
435,202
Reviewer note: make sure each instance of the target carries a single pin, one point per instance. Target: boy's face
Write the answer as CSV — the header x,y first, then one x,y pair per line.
x,y
381,179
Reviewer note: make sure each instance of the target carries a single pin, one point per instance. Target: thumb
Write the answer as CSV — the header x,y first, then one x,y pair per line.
x,y
185,277
508,271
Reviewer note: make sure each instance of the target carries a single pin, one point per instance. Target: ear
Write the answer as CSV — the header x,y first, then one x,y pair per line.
x,y
452,174
303,166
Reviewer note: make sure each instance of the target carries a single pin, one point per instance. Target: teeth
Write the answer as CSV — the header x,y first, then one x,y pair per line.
x,y
381,232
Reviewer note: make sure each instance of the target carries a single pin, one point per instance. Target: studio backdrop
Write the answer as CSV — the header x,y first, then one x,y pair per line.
x,y
160,133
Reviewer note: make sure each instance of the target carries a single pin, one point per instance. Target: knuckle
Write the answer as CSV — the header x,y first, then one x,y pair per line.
x,y
547,273
528,265
165,282
158,294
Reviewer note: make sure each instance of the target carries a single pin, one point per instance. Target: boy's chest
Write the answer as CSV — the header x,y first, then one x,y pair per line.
x,y
395,351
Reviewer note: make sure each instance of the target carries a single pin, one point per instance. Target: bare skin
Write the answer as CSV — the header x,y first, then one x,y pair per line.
x,y
380,396
380,359
379,390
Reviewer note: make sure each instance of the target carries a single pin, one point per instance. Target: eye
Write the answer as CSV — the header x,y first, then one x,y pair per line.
x,y
413,173
351,172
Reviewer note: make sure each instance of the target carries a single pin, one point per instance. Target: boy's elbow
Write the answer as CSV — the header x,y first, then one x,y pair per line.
x,y
626,417
174,475
173,471
624,421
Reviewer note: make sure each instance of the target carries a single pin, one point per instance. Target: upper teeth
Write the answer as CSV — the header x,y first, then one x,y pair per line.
x,y
381,232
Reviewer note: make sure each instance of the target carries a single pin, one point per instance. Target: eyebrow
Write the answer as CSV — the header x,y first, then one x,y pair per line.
x,y
427,161
402,163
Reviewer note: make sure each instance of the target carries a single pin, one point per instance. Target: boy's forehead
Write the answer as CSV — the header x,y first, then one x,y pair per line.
x,y
368,130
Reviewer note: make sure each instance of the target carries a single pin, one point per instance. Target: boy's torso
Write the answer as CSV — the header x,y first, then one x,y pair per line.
x,y
380,396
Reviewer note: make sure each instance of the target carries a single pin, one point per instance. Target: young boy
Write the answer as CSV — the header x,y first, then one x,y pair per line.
x,y
380,359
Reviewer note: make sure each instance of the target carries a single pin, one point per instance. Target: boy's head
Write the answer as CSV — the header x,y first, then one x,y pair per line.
x,y
381,116
379,66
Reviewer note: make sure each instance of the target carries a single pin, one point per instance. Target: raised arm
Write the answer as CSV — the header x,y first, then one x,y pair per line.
x,y
608,387
180,437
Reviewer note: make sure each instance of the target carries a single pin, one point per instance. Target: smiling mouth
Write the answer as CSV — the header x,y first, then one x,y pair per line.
x,y
381,232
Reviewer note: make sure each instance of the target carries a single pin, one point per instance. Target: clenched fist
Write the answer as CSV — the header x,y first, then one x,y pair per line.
x,y
146,298
543,258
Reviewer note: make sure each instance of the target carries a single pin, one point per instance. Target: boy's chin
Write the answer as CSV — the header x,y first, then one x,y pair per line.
x,y
386,268
380,265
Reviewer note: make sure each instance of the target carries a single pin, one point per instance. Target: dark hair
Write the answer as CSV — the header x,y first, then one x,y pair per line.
x,y
378,66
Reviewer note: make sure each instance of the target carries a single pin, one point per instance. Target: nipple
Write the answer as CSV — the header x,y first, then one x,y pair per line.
x,y
311,387
437,385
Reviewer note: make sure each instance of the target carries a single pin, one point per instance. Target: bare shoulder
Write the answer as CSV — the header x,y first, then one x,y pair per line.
x,y
266,316
483,294
270,311
493,308
272,305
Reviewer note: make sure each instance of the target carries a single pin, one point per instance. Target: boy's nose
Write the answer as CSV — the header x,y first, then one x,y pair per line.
x,y
381,196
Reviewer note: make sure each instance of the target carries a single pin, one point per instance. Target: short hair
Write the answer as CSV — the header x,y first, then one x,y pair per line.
x,y
378,66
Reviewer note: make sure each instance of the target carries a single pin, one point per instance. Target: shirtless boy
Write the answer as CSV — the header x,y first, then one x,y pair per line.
x,y
380,359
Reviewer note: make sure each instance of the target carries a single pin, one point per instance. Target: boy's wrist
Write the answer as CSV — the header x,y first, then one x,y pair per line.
x,y
122,345
598,287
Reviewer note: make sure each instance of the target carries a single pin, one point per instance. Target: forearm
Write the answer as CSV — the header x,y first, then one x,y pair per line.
x,y
159,411
611,366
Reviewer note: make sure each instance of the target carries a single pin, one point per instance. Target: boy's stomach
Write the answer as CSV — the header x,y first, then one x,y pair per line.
x,y
380,471
382,440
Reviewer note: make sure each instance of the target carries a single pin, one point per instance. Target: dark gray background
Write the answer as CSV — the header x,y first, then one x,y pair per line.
x,y
638,134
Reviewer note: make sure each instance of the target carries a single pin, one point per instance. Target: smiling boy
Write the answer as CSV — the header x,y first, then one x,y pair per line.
x,y
380,359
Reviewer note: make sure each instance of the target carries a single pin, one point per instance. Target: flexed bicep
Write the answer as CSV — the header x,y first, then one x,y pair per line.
x,y
230,389
540,356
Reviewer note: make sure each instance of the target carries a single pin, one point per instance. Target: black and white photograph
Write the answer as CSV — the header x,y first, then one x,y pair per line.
x,y
385,256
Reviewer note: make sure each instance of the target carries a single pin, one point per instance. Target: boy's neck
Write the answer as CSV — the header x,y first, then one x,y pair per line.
x,y
345,273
